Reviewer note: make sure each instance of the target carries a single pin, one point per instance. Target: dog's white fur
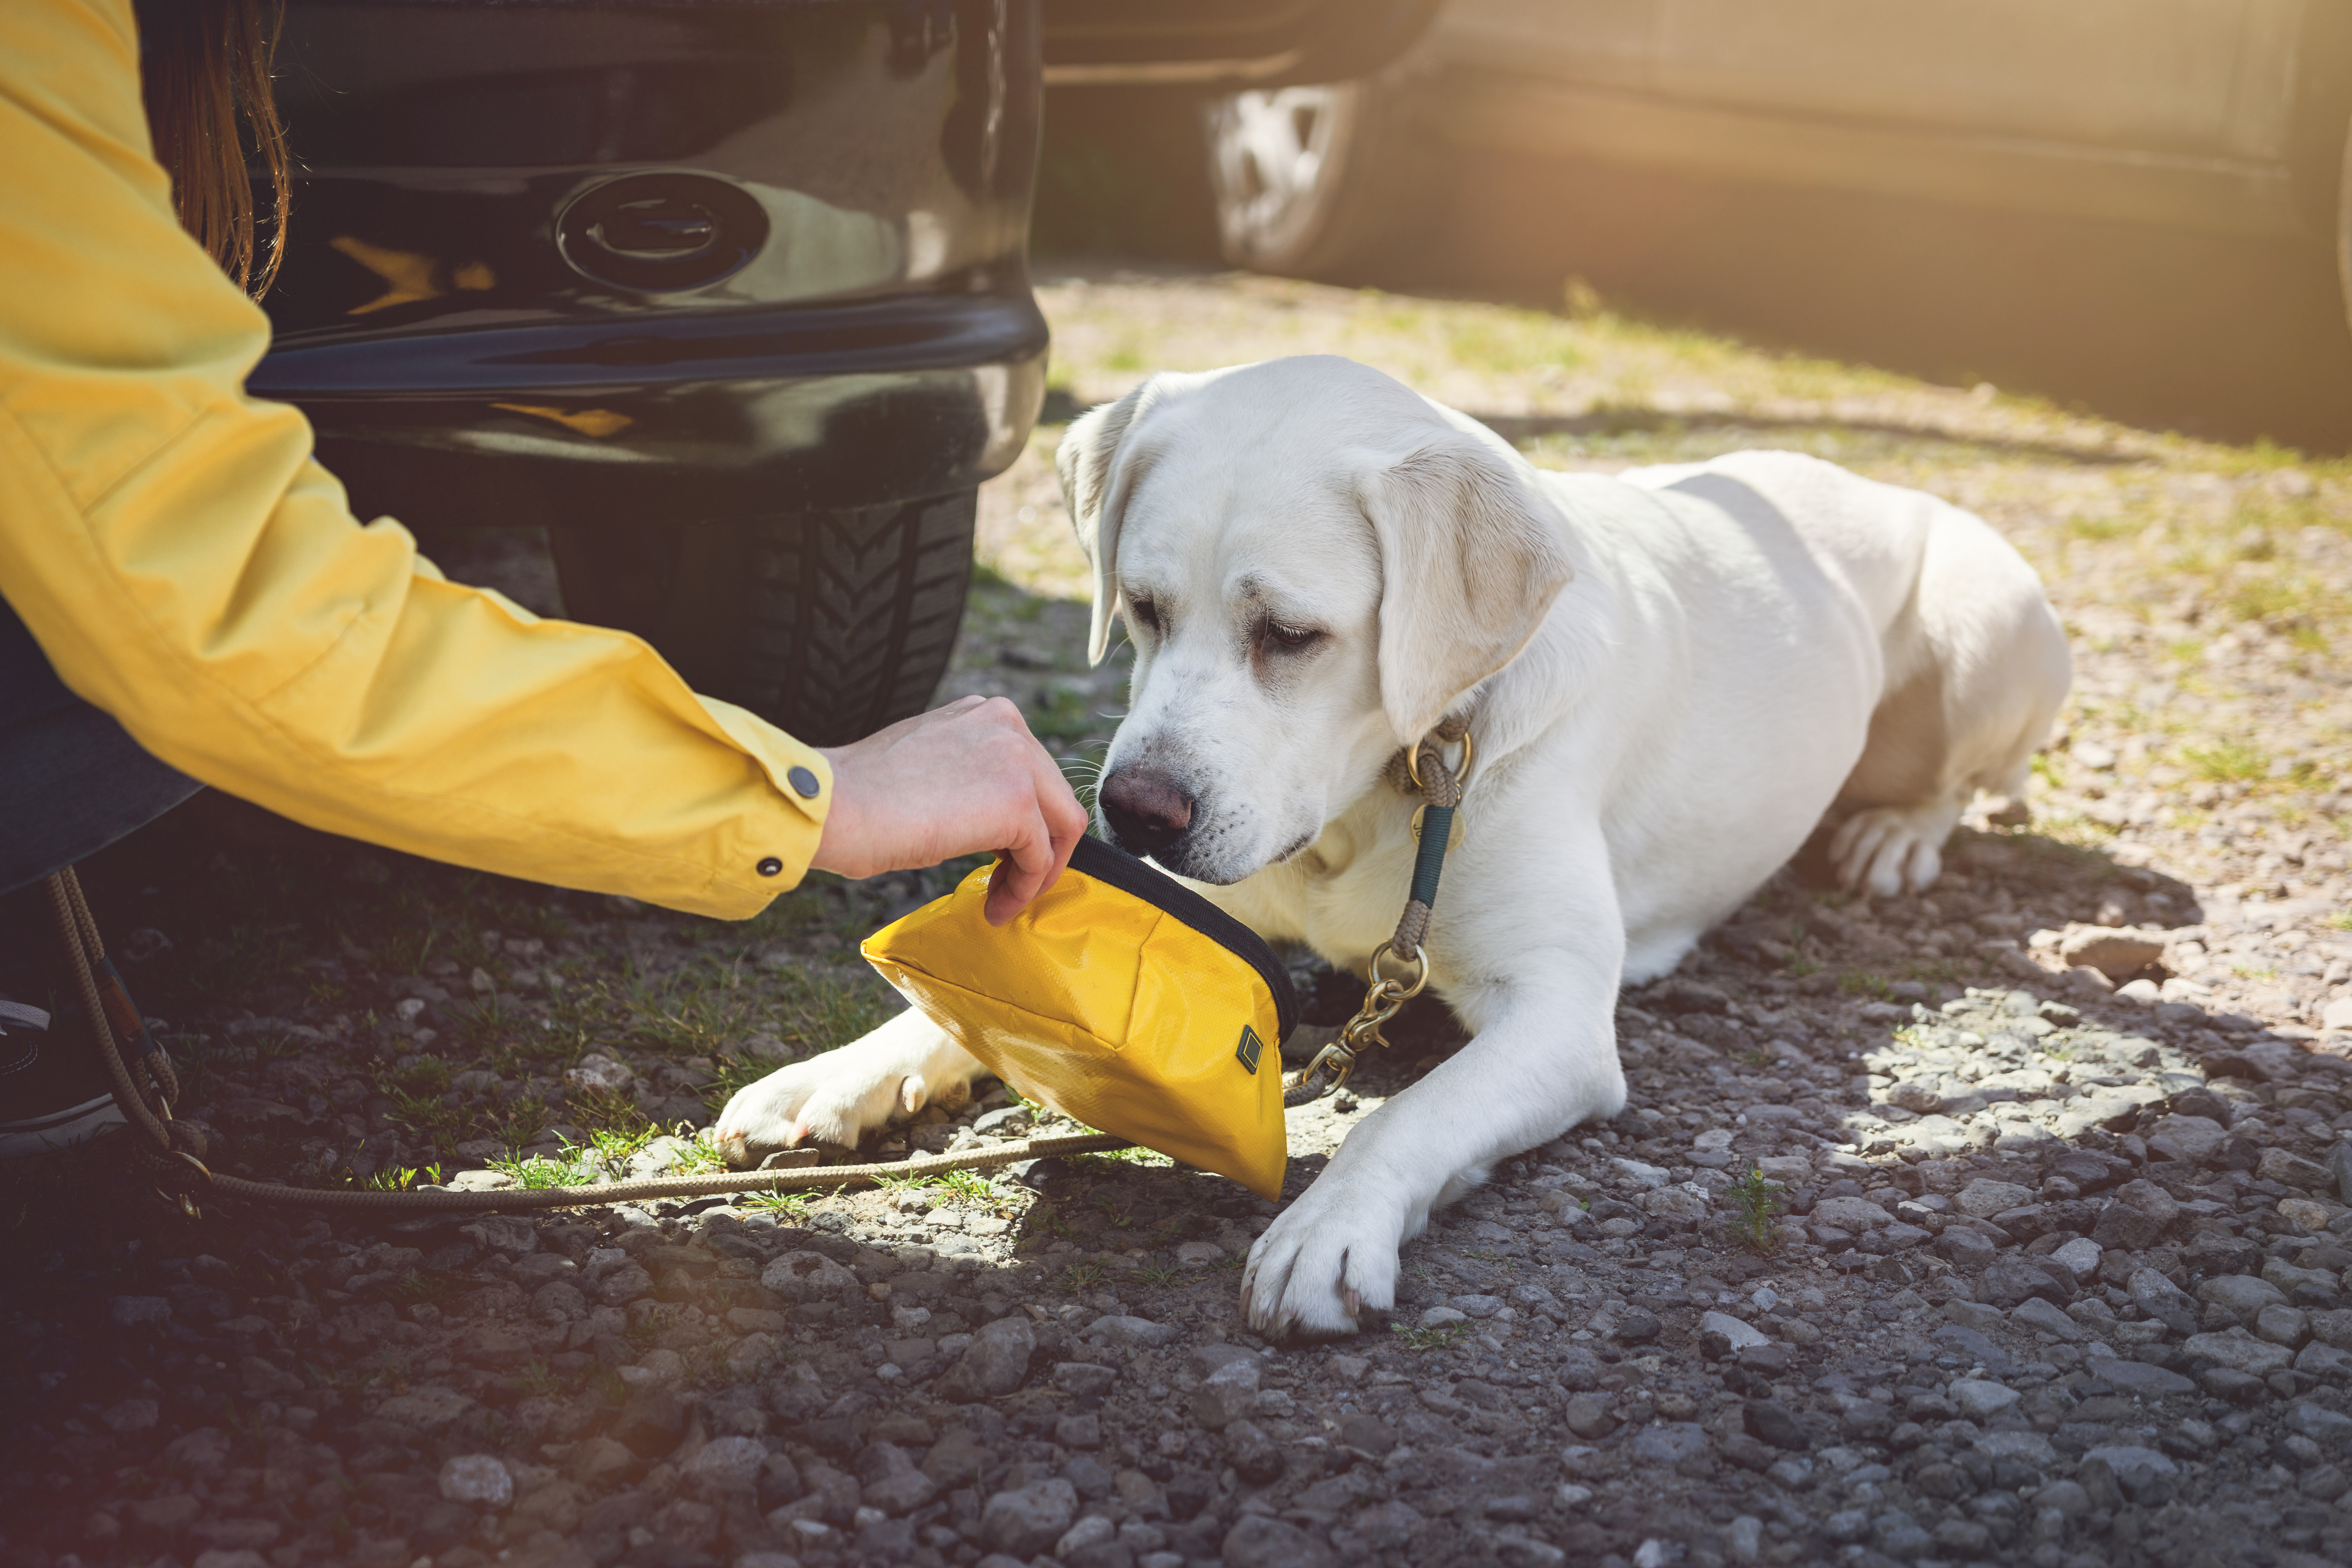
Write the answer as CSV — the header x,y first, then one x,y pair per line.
x,y
1671,675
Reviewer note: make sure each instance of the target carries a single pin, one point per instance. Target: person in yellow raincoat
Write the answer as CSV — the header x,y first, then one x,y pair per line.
x,y
189,597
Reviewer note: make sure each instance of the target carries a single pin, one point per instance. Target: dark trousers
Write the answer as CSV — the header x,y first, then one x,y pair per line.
x,y
72,781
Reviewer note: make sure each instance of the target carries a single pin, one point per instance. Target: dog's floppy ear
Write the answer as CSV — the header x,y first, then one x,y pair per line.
x,y
1099,466
1471,559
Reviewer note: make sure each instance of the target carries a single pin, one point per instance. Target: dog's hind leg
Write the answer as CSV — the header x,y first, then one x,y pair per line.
x,y
1977,667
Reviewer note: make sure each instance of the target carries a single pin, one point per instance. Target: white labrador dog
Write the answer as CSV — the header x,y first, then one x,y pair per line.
x,y
1672,676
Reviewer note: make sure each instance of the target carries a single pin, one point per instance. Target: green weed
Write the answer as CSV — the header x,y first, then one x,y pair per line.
x,y
1757,1201
2226,761
1441,1337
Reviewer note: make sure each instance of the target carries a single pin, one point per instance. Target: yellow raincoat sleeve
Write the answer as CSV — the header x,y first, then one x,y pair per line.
x,y
190,570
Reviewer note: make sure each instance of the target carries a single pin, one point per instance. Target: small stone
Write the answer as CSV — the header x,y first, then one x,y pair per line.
x,y
2288,1326
1481,1307
2126,1228
1738,1335
1226,1394
1027,1521
1978,1398
1965,1249
2326,1361
2114,952
1772,1422
1198,1254
1851,1214
2039,1315
2081,1254
1439,1317
1124,1328
2163,1300
995,1362
2238,1351
2009,1281
2327,1427
2144,1474
1985,1198
1257,1541
480,1480
2142,1380
1083,1378
1092,1530
2192,1140
1588,1415
2292,1170
2241,1295
1670,1442
2304,1215
727,1464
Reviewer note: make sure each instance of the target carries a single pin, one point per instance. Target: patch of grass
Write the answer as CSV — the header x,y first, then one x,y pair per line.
x,y
793,1206
1861,982
399,1180
2069,830
969,1189
539,1172
1757,1201
2340,920
2227,761
1079,1277
1443,1337
2099,529
537,1379
425,1076
1158,1275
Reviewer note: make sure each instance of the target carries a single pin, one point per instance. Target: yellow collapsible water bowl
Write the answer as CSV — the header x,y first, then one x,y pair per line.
x,y
1122,999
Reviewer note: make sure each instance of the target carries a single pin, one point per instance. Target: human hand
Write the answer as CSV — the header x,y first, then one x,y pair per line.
x,y
959,779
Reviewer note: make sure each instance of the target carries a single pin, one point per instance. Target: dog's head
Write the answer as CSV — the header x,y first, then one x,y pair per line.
x,y
1315,564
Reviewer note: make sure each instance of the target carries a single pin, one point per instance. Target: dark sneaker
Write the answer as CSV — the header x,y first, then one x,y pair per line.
x,y
51,1095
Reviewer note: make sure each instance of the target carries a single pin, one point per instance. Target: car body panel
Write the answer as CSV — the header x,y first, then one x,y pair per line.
x,y
2178,112
1225,44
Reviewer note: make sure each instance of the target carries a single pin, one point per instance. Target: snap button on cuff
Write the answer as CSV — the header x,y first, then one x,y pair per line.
x,y
804,783
771,866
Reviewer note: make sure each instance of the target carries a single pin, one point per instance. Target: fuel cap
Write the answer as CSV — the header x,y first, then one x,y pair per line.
x,y
662,232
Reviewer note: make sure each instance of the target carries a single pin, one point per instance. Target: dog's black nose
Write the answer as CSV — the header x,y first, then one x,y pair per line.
x,y
1147,811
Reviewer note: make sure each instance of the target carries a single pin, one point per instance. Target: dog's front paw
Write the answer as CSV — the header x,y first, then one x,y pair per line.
x,y
833,1099
1323,1267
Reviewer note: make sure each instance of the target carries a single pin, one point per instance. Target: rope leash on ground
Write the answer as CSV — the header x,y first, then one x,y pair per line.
x,y
1424,773
172,1153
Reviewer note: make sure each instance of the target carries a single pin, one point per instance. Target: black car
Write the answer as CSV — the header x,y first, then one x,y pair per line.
x,y
731,298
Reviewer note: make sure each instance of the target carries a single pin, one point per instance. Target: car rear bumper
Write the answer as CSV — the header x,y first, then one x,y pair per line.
x,y
699,418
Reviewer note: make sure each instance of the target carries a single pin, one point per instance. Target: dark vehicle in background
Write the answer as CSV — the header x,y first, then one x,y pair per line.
x,y
2223,115
732,298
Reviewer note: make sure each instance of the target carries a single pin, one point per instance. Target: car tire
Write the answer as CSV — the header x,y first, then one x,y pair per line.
x,y
1313,182
828,624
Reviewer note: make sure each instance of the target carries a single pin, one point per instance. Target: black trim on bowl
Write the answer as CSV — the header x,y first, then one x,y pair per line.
x,y
1109,863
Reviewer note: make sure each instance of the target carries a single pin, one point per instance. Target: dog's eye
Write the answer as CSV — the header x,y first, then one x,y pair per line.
x,y
1292,637
1144,614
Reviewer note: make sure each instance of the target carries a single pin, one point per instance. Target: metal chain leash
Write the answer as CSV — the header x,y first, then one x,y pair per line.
x,y
1439,788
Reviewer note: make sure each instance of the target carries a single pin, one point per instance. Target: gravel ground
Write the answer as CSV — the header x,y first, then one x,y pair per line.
x,y
2009,1225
